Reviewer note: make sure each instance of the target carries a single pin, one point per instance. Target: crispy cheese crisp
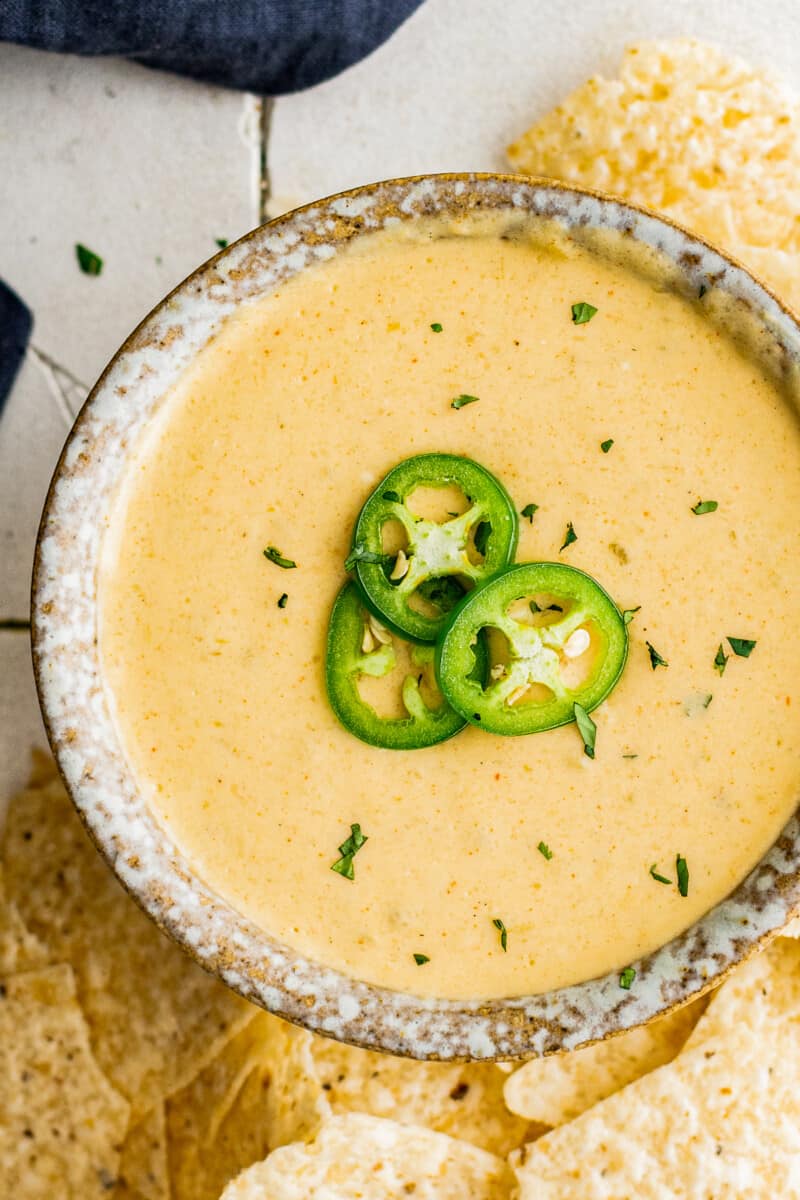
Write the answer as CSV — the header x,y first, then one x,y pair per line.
x,y
355,1157
143,1166
154,1016
694,133
721,1120
463,1100
61,1121
559,1088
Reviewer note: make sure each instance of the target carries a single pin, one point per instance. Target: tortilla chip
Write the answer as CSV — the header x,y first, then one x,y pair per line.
x,y
143,1167
463,1100
295,1103
559,1088
61,1121
154,1016
218,1124
694,133
355,1157
19,949
721,1120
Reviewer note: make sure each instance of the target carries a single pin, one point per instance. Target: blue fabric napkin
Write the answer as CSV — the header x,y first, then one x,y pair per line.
x,y
15,329
264,46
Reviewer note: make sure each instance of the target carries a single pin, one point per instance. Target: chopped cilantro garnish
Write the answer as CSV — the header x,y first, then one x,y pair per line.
x,y
284,600
586,728
630,756
391,496
221,242
606,445
720,660
348,850
709,696
463,400
545,850
421,959
626,978
89,262
629,613
704,506
569,537
658,878
437,328
274,555
528,511
360,553
498,924
656,660
743,647
582,312
683,875
482,535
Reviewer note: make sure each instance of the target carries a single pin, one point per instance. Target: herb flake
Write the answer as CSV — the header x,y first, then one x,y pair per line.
x,y
463,400
582,312
274,555
682,870
545,850
498,924
348,850
222,243
284,600
482,534
656,659
742,647
569,537
586,728
529,511
437,328
658,878
629,613
720,660
704,506
626,978
89,262
360,553
421,959
606,445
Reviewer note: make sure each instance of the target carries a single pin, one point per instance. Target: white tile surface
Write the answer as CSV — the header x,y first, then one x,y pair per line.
x,y
462,78
144,168
20,720
32,431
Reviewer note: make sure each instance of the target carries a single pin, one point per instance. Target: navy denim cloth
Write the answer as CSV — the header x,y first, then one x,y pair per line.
x,y
264,46
15,329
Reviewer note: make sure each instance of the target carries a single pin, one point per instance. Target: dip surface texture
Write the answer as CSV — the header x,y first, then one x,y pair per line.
x,y
278,434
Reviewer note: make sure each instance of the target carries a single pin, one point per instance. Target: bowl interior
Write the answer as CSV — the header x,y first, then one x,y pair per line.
x,y
75,703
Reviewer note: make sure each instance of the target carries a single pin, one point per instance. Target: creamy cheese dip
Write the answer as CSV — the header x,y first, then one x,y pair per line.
x,y
277,435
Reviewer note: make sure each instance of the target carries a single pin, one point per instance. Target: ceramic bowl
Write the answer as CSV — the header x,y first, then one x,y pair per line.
x,y
75,704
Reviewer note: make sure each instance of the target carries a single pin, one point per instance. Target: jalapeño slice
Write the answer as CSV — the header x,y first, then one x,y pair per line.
x,y
415,587
555,638
354,651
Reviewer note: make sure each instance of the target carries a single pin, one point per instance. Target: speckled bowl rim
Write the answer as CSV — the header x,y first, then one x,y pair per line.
x,y
81,729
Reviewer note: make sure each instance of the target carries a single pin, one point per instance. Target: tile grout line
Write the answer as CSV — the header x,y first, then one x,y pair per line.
x,y
264,185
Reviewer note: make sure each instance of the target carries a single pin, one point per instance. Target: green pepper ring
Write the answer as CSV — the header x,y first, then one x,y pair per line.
x,y
488,708
435,551
344,655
